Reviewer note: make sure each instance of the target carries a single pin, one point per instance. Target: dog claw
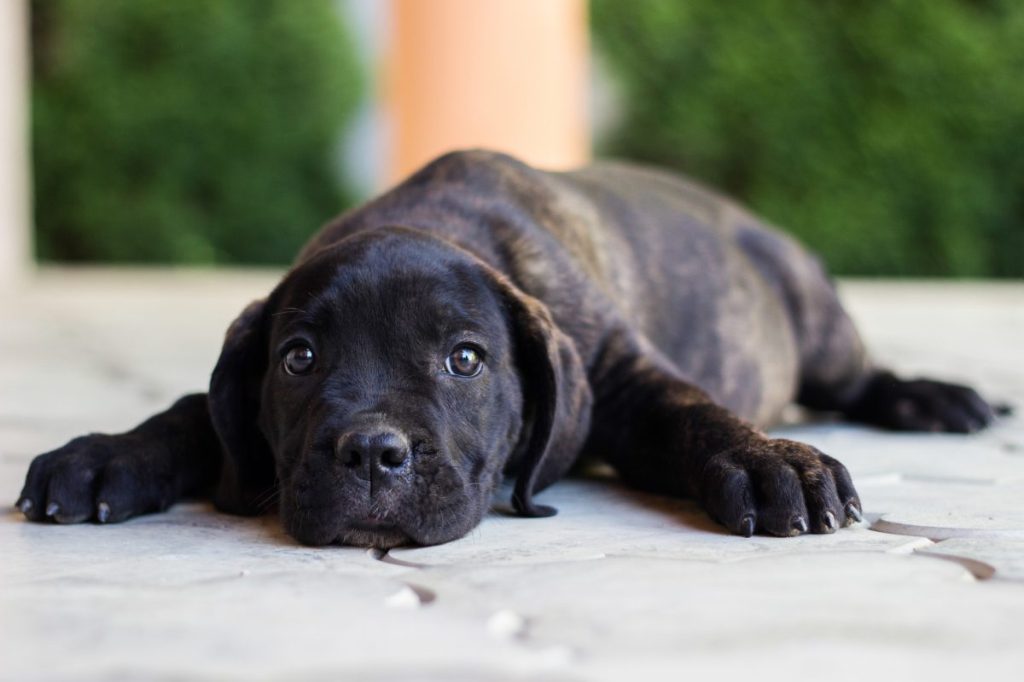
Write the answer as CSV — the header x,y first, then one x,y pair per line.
x,y
103,512
52,509
25,506
829,520
853,512
747,526
799,525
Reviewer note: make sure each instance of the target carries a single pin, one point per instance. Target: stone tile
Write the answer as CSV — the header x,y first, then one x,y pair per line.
x,y
988,457
602,518
620,585
860,612
999,558
943,510
331,624
194,594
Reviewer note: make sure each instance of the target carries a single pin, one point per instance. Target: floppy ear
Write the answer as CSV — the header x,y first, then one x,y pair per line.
x,y
247,465
557,399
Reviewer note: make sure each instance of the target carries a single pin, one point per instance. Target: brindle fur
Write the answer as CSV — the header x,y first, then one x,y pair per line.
x,y
646,321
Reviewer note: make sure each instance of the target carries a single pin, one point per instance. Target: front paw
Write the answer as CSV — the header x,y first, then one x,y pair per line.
x,y
96,477
779,487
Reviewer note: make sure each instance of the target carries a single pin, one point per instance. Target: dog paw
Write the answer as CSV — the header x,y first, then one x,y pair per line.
x,y
779,487
923,405
96,477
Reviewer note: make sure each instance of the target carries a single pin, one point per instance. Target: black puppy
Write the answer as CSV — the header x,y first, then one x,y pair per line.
x,y
485,318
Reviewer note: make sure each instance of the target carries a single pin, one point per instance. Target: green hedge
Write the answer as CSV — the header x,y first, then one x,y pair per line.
x,y
888,135
187,130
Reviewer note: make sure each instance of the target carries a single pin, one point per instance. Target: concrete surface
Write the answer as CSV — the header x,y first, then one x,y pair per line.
x,y
618,586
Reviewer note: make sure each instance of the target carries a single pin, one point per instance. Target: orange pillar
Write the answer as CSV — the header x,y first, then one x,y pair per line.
x,y
509,75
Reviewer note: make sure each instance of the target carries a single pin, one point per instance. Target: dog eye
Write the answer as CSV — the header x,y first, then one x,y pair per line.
x,y
464,361
299,360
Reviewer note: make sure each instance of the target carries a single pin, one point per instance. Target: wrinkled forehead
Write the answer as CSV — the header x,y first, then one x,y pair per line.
x,y
388,284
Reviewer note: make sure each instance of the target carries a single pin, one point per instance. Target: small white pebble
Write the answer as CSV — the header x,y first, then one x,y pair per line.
x,y
405,598
505,624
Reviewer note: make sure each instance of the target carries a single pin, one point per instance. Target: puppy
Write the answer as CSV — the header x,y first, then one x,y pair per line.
x,y
485,318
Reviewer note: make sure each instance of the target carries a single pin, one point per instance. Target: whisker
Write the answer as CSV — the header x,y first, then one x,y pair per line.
x,y
289,311
265,498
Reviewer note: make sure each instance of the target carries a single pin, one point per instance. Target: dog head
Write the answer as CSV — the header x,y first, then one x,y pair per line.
x,y
383,388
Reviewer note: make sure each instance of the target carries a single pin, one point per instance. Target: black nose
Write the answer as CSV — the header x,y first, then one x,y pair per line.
x,y
370,450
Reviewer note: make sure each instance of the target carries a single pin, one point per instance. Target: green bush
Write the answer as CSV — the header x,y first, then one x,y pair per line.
x,y
187,130
889,136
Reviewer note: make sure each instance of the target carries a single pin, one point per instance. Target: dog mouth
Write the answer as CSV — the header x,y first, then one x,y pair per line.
x,y
377,534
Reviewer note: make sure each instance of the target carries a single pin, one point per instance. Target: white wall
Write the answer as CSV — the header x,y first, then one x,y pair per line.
x,y
15,212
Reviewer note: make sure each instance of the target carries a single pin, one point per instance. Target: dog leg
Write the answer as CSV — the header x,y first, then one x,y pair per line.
x,y
885,400
110,478
665,435
836,375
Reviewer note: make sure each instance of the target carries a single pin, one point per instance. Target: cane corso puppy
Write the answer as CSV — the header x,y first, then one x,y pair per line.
x,y
484,319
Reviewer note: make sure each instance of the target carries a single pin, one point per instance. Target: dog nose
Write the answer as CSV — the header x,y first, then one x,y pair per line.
x,y
376,450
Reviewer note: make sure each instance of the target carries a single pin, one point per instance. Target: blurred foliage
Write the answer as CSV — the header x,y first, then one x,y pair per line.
x,y
889,136
187,130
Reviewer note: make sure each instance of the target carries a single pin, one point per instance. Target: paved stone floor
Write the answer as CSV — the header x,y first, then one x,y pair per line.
x,y
618,586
